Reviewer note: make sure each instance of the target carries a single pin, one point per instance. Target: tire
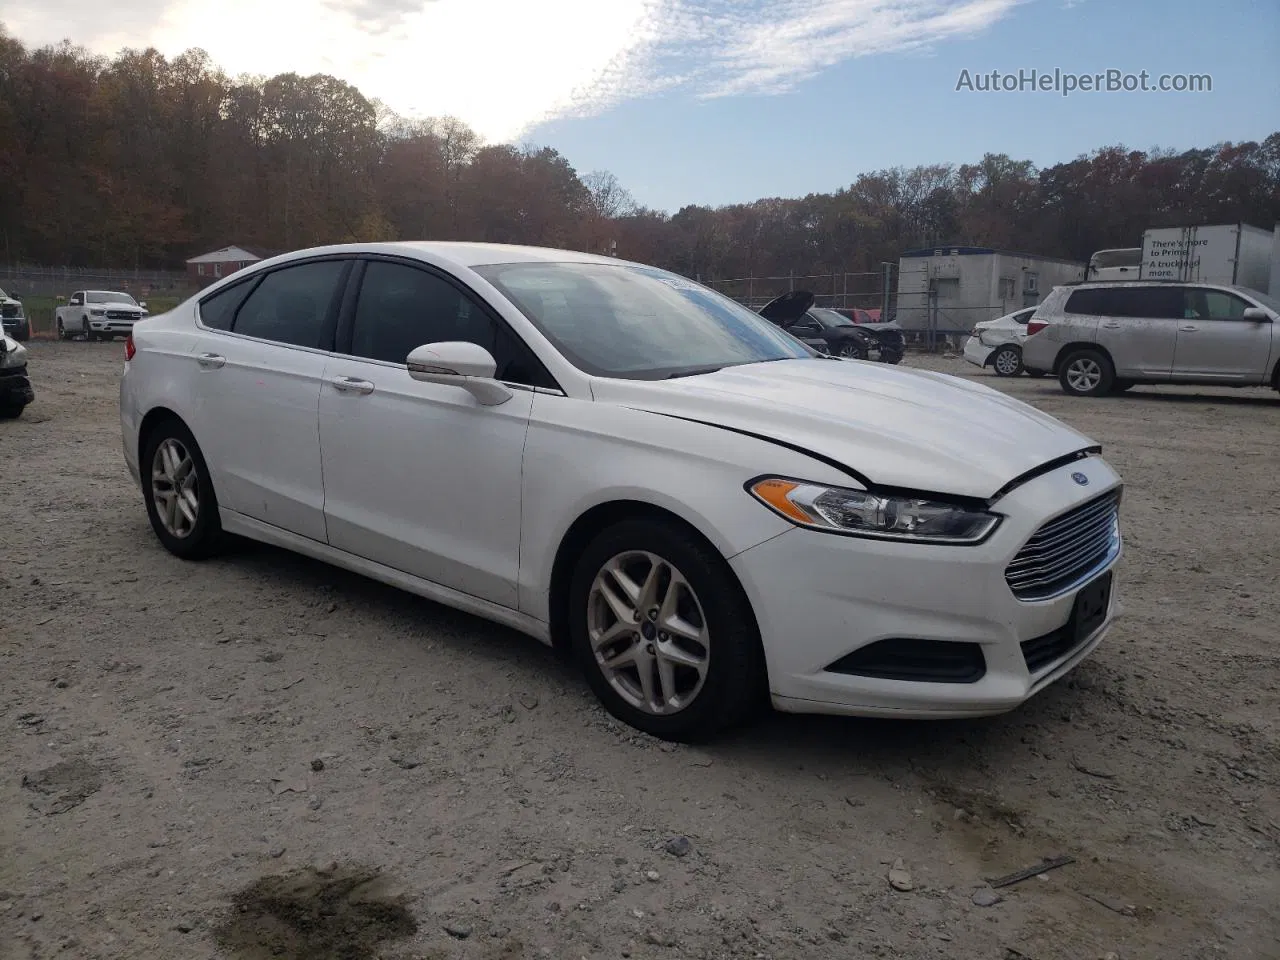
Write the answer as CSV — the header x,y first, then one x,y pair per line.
x,y
891,356
731,681
60,329
1007,361
1121,386
11,411
23,333
1087,373
851,350
188,539
89,336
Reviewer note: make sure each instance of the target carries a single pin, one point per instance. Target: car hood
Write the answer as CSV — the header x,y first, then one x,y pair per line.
x,y
788,307
117,306
898,428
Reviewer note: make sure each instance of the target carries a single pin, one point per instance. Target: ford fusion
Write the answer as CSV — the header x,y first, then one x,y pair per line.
x,y
630,466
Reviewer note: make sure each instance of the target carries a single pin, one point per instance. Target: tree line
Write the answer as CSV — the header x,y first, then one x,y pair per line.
x,y
142,161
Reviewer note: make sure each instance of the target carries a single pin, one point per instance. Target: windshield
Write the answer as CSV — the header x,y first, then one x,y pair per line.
x,y
108,296
830,318
636,322
3,295
1127,257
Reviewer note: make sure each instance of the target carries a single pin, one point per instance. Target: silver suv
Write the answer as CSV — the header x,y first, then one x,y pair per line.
x,y
1105,337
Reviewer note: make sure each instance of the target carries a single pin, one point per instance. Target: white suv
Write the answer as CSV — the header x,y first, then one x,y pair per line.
x,y
1105,337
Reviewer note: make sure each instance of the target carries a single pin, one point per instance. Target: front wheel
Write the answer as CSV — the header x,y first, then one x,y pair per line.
x,y
1087,373
11,411
664,632
61,330
88,332
851,351
181,504
1007,361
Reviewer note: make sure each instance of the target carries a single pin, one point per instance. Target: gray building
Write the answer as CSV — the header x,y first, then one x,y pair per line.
x,y
949,289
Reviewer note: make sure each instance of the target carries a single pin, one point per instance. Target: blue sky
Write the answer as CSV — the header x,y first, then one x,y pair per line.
x,y
721,101
901,108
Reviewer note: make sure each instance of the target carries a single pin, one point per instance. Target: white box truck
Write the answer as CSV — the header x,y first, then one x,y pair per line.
x,y
1220,253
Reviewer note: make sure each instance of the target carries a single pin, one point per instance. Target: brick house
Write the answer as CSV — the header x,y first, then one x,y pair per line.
x,y
210,267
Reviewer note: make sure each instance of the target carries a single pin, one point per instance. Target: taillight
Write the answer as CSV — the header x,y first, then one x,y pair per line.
x,y
129,349
1035,326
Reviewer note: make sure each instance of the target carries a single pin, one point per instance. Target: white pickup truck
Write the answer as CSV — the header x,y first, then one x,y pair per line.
x,y
98,314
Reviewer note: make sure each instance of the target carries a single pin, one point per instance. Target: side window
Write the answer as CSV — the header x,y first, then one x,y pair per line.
x,y
1024,316
290,305
220,309
1215,305
402,307
1091,301
1156,302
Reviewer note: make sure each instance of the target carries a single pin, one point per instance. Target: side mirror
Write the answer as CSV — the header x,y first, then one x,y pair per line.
x,y
457,363
1256,314
75,302
142,304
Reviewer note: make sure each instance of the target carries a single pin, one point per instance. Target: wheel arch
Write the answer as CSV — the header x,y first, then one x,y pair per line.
x,y
580,533
1068,348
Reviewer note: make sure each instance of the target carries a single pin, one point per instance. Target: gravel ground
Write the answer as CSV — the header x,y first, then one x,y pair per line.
x,y
261,756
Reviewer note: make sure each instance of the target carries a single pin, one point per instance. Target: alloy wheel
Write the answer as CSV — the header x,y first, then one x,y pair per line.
x,y
175,488
1084,374
850,351
648,633
1007,362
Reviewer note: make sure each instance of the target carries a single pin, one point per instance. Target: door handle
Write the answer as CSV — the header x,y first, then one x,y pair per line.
x,y
1112,326
211,361
351,385
1189,329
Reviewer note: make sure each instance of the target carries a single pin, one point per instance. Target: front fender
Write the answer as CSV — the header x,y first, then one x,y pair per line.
x,y
580,454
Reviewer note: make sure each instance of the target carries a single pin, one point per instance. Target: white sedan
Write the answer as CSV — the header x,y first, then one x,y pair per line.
x,y
998,343
624,463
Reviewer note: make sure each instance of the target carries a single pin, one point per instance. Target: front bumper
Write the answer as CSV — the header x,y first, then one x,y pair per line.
x,y
977,352
111,327
15,388
819,598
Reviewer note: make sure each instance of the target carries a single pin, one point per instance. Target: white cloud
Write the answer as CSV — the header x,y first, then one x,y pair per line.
x,y
504,65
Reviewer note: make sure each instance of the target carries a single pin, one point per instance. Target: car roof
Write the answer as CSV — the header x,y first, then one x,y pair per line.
x,y
457,253
1113,284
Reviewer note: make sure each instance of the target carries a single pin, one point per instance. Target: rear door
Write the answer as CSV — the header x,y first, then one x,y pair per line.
x,y
260,355
1215,342
1139,328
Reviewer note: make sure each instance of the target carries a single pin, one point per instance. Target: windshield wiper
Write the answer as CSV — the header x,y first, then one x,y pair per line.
x,y
694,372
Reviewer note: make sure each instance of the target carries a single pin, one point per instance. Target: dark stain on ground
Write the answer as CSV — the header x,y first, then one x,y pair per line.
x,y
335,913
63,786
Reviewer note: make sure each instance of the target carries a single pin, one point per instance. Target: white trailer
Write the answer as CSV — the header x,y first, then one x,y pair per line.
x,y
1231,253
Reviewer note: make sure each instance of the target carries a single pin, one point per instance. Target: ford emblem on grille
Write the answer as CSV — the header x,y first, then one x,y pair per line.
x,y
1081,479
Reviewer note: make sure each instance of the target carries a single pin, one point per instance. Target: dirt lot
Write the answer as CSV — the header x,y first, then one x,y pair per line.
x,y
183,742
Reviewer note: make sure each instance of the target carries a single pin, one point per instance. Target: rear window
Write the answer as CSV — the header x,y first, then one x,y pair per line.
x,y
1147,302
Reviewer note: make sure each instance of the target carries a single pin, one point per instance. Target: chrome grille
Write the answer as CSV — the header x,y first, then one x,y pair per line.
x,y
9,310
1067,550
121,315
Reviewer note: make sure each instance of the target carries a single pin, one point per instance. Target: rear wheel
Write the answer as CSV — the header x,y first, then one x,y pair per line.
x,y
61,330
1007,361
181,504
664,632
11,411
1087,373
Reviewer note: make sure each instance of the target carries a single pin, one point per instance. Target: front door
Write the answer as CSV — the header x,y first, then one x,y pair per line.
x,y
260,359
419,476
1216,342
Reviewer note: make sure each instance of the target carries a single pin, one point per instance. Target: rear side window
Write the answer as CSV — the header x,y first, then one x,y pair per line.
x,y
291,305
1145,302
220,309
1215,305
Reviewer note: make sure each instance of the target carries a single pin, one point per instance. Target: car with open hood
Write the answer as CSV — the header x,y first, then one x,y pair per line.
x,y
623,463
15,385
833,331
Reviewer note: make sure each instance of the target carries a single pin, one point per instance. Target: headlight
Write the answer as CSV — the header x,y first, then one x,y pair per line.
x,y
12,354
97,312
864,514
